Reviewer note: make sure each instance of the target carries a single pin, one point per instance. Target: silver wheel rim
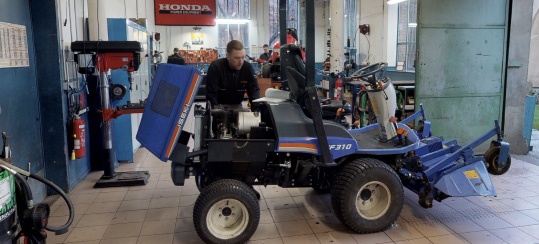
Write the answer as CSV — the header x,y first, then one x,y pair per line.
x,y
227,219
373,200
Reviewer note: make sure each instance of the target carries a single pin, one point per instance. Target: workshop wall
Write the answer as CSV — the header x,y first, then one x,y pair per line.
x,y
374,13
19,103
176,36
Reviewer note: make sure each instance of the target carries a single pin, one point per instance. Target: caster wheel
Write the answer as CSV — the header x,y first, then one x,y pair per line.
x,y
491,157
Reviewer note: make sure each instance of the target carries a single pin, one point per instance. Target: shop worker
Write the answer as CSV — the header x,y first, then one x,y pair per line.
x,y
267,53
176,58
228,79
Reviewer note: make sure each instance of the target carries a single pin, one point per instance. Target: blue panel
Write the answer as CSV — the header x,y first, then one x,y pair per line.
x,y
470,180
157,132
19,103
121,126
117,29
529,112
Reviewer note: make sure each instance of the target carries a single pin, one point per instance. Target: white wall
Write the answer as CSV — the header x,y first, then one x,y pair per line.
x,y
375,14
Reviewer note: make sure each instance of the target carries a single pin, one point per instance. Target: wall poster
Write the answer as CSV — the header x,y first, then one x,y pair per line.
x,y
197,38
13,46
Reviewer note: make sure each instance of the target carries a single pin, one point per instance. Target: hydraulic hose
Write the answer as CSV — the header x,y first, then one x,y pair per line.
x,y
64,227
17,172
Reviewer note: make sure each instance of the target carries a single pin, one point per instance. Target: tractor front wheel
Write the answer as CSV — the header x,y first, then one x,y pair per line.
x,y
226,211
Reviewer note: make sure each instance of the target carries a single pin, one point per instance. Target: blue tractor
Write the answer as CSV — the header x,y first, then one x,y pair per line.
x,y
287,143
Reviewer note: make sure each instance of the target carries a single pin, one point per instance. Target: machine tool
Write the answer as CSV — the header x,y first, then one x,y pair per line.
x,y
98,58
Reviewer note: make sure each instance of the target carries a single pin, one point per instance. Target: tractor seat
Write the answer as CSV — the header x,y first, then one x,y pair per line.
x,y
295,72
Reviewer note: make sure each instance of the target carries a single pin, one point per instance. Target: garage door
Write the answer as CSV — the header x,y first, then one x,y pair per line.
x,y
460,66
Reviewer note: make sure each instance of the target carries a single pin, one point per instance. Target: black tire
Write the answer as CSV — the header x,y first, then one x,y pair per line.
x,y
491,158
358,180
266,70
420,128
220,202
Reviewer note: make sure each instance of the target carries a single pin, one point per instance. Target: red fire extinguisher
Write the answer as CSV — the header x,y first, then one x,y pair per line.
x,y
337,94
79,138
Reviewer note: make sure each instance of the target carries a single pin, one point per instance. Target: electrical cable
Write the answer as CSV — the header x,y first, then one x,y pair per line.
x,y
368,50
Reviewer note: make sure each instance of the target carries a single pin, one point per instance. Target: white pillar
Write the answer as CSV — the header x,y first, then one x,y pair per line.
x,y
336,9
97,20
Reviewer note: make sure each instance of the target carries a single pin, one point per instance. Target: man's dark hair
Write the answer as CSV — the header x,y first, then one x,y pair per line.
x,y
176,49
234,45
266,45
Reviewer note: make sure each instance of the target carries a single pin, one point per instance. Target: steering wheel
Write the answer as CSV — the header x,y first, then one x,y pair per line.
x,y
366,76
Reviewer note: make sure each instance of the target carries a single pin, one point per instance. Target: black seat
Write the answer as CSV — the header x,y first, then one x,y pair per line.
x,y
295,71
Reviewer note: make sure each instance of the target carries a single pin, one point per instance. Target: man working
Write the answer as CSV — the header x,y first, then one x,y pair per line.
x,y
229,78
176,58
267,54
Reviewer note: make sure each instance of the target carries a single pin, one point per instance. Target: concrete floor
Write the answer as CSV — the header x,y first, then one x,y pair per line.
x,y
160,212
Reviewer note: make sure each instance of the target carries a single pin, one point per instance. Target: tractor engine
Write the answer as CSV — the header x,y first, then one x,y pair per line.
x,y
232,124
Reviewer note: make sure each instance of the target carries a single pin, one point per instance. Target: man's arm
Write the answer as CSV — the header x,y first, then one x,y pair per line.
x,y
181,60
212,80
253,91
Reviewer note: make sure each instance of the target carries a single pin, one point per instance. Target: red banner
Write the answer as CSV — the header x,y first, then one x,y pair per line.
x,y
185,12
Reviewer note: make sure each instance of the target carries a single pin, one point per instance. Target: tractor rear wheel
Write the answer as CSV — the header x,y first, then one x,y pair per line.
x,y
226,211
367,195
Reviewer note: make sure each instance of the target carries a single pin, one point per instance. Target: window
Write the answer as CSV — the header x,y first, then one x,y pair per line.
x,y
232,9
350,29
292,21
406,35
350,24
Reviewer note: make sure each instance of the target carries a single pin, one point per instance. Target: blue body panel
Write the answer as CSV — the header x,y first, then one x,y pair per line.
x,y
170,99
338,146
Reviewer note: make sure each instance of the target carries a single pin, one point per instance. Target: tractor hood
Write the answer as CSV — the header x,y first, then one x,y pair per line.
x,y
172,94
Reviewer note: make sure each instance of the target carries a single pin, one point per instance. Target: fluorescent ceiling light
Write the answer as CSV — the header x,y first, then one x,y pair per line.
x,y
232,21
394,1
412,24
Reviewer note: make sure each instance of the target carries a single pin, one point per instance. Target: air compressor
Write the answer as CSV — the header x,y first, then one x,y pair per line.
x,y
20,218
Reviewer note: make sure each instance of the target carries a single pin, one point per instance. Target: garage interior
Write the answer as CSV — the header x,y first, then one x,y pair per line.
x,y
467,62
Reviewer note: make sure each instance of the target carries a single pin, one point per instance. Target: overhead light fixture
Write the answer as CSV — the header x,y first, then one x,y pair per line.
x,y
232,21
412,24
394,1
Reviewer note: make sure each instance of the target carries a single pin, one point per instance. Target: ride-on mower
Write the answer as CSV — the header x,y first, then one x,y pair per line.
x,y
288,143
281,145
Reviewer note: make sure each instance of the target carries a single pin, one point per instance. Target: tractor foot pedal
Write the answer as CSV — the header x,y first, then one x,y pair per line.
x,y
132,178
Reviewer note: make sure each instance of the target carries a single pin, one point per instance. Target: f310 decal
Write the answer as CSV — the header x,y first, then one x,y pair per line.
x,y
340,147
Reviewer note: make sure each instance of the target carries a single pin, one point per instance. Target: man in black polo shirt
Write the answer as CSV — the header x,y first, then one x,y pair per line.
x,y
229,78
176,58
267,53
